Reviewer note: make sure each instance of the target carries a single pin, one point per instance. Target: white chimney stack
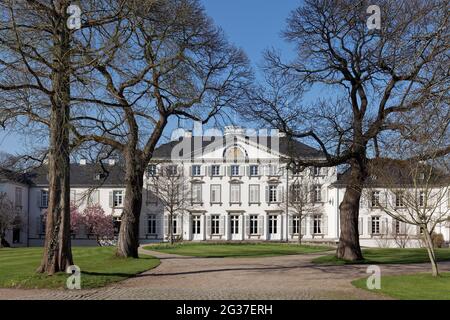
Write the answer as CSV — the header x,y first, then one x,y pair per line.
x,y
83,162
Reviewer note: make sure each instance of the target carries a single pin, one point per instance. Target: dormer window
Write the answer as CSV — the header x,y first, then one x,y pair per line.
x,y
316,171
151,170
99,176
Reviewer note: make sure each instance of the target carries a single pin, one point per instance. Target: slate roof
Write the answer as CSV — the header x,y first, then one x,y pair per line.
x,y
286,147
84,176
9,175
388,172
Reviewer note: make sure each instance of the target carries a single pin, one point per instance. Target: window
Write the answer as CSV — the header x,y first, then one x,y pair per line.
x,y
93,197
375,225
116,225
174,226
273,170
254,170
196,222
215,193
42,224
196,193
151,224
234,224
375,199
215,170
16,235
253,193
399,196
296,192
422,198
215,224
44,199
273,193
235,193
18,199
117,198
151,170
172,170
253,224
317,224
397,227
316,171
273,224
296,225
196,170
317,193
234,170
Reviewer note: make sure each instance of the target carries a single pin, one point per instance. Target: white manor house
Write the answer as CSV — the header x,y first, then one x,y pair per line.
x,y
238,188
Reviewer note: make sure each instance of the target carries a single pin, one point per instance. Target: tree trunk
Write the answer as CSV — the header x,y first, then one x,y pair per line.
x,y
128,242
300,230
3,242
349,248
171,228
57,254
431,253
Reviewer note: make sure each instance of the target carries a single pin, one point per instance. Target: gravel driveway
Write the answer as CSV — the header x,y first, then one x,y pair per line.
x,y
282,277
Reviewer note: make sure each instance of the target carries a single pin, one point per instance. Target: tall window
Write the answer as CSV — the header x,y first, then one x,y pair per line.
x,y
397,227
235,193
196,170
376,225
253,193
196,193
118,198
18,198
254,224
317,193
317,224
151,170
296,225
296,192
234,170
316,171
273,224
399,196
215,193
174,226
215,224
273,170
44,199
172,170
93,197
196,222
254,170
422,198
375,199
273,193
234,224
151,224
215,170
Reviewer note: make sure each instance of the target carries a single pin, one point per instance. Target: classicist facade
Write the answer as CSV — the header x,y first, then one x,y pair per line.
x,y
239,189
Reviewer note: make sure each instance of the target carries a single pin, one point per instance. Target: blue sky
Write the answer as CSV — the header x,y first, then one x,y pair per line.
x,y
253,25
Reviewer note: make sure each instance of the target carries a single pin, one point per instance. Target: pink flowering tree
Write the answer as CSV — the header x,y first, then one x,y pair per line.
x,y
98,223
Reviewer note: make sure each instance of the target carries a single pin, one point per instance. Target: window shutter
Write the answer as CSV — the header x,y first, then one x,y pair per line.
x,y
202,171
111,201
323,194
403,228
393,228
325,171
247,224
369,224
221,171
324,224
267,194
311,194
280,193
166,225
229,171
291,225
208,225
39,198
260,224
311,224
361,226
303,222
222,225
210,171
384,226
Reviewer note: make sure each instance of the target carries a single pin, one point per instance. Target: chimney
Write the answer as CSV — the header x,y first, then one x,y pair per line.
x,y
83,162
112,162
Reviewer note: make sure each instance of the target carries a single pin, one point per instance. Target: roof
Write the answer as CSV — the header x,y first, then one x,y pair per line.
x,y
9,175
400,173
286,147
84,176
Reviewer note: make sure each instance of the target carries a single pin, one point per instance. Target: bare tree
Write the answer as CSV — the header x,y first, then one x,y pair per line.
x,y
38,62
172,191
415,193
9,219
374,78
301,203
175,63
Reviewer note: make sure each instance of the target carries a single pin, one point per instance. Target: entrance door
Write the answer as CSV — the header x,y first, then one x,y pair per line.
x,y
235,227
196,228
274,228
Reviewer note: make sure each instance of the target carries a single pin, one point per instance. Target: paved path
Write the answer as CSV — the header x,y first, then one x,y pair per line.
x,y
180,278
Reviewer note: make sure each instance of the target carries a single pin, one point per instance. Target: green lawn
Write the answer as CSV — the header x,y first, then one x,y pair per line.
x,y
218,250
98,267
385,256
421,286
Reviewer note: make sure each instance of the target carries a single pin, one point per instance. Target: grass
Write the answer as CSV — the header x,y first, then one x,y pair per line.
x,y
386,256
221,250
98,266
420,286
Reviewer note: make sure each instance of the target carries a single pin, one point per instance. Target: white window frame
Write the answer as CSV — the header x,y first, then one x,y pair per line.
x,y
152,224
196,170
216,189
273,224
317,193
196,193
234,224
215,170
254,195
375,199
273,193
196,225
118,197
215,224
235,170
253,224
44,199
254,170
232,193
375,225
317,224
